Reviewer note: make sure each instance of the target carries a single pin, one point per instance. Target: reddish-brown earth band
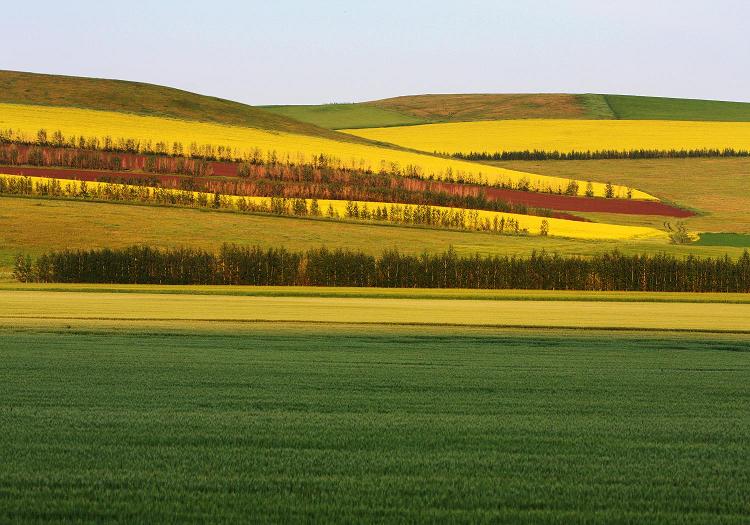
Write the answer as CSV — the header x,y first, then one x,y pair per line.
x,y
532,199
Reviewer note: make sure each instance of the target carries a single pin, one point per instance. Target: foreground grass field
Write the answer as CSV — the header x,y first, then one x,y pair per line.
x,y
314,423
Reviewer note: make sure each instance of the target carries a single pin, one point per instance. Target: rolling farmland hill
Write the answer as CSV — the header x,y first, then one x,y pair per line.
x,y
424,109
144,99
95,108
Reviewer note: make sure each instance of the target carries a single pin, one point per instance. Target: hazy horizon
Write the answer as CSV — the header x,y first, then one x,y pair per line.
x,y
294,52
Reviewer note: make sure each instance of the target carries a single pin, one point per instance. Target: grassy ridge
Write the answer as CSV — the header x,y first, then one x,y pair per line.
x,y
144,99
628,107
335,426
469,107
340,116
425,109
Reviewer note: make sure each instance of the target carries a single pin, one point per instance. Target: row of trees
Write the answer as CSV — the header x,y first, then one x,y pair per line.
x,y
422,214
23,155
135,154
237,265
603,154
295,181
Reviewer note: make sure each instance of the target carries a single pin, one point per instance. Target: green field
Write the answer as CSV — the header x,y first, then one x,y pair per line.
x,y
312,423
724,239
628,107
423,109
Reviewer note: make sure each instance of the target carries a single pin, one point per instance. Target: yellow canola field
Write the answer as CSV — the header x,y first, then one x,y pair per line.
x,y
88,123
563,135
557,227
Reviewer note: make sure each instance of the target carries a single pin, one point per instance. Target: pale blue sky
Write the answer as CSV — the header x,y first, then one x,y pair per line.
x,y
288,51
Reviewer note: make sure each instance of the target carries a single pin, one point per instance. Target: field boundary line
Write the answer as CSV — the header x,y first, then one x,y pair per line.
x,y
380,323
441,294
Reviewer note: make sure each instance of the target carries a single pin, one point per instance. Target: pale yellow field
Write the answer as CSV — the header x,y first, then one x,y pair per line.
x,y
27,120
563,135
557,227
29,308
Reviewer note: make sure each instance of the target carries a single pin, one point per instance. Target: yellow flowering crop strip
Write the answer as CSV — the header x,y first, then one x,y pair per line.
x,y
471,219
563,135
28,120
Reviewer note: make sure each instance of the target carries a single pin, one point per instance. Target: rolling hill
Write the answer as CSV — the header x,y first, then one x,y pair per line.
x,y
425,109
146,100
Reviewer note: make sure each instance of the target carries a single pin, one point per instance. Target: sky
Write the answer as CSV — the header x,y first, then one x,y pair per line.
x,y
308,52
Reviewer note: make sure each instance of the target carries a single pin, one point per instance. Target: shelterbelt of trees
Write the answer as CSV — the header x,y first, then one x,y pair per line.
x,y
137,134
602,154
221,161
263,179
265,175
437,216
236,265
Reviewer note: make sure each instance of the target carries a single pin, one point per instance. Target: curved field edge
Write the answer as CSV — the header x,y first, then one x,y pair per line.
x,y
564,136
531,224
28,120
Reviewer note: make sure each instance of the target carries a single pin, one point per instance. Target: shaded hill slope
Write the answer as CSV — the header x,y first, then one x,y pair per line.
x,y
145,99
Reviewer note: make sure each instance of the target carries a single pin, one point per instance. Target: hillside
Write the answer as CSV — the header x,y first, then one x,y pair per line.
x,y
144,99
424,109
627,107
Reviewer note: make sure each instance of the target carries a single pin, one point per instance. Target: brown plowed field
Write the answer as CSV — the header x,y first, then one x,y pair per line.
x,y
595,204
560,203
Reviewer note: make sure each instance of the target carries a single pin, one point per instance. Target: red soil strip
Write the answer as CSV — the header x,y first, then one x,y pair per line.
x,y
559,203
587,204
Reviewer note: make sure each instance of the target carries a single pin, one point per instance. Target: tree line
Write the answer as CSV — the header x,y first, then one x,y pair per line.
x,y
292,181
603,154
129,149
46,156
241,265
